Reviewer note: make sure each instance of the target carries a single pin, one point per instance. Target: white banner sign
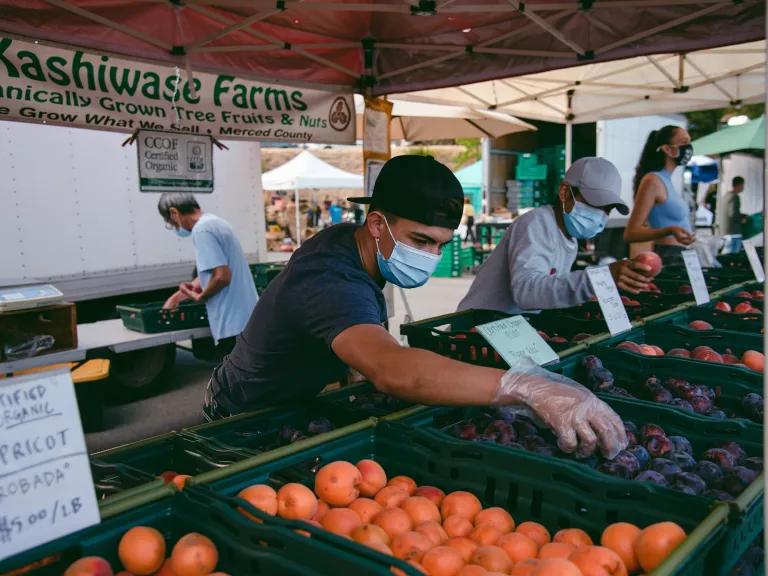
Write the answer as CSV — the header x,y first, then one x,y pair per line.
x,y
46,488
74,88
609,299
171,162
696,276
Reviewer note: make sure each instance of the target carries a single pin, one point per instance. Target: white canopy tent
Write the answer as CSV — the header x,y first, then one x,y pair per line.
x,y
424,121
307,171
660,84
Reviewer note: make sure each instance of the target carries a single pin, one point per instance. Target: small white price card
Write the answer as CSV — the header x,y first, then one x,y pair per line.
x,y
513,338
46,488
608,297
754,260
696,276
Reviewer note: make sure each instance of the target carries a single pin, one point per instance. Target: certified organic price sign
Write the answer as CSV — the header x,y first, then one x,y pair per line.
x,y
46,489
696,276
754,260
608,297
513,338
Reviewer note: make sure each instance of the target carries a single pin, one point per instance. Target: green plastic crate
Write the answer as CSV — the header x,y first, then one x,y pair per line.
x,y
546,491
264,272
631,376
451,335
745,520
246,548
150,317
535,172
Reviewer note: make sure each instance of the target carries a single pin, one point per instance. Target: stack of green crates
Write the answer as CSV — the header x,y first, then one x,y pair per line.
x,y
264,272
450,262
467,258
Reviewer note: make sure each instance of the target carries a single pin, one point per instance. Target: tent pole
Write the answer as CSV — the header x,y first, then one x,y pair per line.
x,y
298,217
486,158
568,143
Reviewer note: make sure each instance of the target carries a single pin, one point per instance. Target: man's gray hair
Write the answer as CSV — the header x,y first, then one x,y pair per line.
x,y
184,202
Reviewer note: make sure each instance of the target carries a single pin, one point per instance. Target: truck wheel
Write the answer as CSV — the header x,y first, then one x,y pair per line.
x,y
142,373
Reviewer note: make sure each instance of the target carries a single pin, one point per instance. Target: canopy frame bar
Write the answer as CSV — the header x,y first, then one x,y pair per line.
x,y
258,17
544,25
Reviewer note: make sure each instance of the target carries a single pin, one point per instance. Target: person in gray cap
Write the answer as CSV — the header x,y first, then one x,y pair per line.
x,y
530,269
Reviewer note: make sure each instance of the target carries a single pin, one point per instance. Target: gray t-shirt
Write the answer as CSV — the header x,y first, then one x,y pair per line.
x,y
732,222
530,269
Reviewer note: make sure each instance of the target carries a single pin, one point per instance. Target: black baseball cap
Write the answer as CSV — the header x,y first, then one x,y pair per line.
x,y
418,188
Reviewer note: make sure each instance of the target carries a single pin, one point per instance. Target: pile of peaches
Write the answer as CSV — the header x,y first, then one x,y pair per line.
x,y
452,534
751,359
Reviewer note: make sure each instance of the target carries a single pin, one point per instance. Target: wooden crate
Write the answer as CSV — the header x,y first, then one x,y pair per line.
x,y
59,321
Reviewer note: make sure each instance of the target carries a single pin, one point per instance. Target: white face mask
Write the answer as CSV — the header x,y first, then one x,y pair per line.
x,y
407,267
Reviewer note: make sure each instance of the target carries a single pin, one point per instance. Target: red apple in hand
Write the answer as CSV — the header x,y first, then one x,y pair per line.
x,y
650,259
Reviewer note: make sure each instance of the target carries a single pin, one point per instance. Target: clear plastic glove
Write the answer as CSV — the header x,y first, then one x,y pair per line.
x,y
581,421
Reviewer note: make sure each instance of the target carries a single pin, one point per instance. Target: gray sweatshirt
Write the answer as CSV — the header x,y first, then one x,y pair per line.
x,y
530,269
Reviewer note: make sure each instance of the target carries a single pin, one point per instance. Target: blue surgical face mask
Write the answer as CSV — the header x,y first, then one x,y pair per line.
x,y
584,221
183,232
407,267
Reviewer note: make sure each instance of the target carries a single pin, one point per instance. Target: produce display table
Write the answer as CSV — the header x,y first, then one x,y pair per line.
x,y
104,336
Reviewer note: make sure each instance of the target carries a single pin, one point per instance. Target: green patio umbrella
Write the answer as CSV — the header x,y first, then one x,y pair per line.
x,y
748,136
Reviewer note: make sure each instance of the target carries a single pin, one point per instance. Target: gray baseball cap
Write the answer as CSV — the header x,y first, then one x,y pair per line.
x,y
599,182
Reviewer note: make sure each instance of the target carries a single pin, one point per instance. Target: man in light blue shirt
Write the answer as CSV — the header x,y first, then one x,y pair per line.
x,y
224,281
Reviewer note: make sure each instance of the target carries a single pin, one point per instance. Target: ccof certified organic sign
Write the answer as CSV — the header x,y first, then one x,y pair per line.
x,y
513,338
170,162
696,276
46,488
608,297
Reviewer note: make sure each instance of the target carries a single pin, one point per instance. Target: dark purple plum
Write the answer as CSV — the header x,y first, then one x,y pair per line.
x,y
592,461
709,472
685,389
649,430
665,467
631,438
706,391
682,459
675,384
525,428
680,403
683,488
721,457
651,476
618,391
507,414
630,427
717,414
467,431
658,446
591,362
640,454
718,495
753,406
681,444
615,469
499,428
484,438
735,449
736,481
701,404
662,396
546,451
692,481
319,426
652,383
288,435
533,442
599,379
629,461
753,463
506,439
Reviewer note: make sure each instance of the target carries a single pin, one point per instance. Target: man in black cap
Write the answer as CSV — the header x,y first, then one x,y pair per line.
x,y
325,313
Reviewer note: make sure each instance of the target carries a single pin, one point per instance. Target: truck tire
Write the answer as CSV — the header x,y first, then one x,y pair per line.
x,y
141,373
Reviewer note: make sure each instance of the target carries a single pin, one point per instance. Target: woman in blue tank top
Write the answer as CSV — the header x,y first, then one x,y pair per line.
x,y
660,214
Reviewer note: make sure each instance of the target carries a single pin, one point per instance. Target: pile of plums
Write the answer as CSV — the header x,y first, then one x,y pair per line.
x,y
722,472
289,434
374,402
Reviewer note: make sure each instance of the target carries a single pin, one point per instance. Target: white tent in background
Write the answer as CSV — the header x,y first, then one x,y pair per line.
x,y
660,84
307,171
423,121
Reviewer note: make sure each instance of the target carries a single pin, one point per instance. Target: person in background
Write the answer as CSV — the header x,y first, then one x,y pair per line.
x,y
734,219
530,269
224,281
324,314
336,213
468,218
661,215
359,214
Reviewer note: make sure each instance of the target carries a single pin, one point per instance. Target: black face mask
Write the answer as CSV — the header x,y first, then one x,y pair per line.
x,y
684,154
